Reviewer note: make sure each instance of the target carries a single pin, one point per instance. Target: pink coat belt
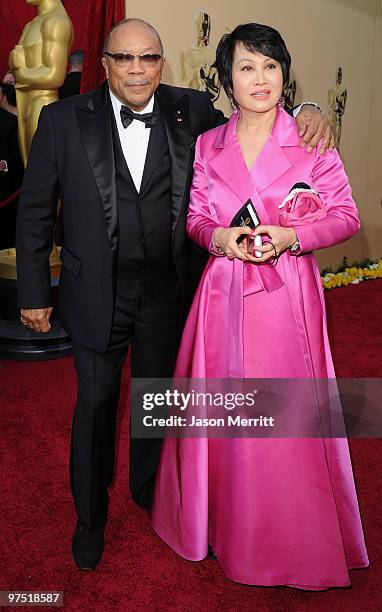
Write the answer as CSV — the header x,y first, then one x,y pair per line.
x,y
246,278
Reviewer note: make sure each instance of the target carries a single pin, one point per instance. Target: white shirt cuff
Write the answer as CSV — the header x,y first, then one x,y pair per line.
x,y
297,109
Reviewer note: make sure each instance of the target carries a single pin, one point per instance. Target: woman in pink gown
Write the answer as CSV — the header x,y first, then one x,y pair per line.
x,y
279,511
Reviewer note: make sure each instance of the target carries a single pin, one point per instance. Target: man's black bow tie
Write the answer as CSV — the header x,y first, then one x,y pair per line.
x,y
127,116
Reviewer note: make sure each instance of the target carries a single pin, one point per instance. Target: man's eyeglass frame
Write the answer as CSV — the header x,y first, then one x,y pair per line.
x,y
125,59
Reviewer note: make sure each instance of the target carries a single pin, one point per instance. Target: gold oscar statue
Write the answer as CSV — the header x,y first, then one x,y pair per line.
x,y
39,63
289,93
337,101
197,64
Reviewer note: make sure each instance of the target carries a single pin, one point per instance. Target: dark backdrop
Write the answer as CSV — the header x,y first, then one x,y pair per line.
x,y
91,20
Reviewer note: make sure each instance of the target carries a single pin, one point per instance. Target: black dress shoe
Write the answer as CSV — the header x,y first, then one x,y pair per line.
x,y
211,554
87,546
144,497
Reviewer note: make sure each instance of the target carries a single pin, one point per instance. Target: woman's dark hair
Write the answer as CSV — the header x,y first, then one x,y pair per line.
x,y
9,92
256,38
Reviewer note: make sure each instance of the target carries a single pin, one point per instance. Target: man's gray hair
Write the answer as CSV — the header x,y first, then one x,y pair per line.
x,y
131,20
77,58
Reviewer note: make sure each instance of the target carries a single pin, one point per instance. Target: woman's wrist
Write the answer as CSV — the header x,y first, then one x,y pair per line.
x,y
294,247
293,237
215,244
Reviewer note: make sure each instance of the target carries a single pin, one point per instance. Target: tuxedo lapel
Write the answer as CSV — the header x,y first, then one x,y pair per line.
x,y
157,147
94,121
176,121
119,158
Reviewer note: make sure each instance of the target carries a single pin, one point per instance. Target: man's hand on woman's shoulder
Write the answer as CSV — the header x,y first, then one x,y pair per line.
x,y
314,126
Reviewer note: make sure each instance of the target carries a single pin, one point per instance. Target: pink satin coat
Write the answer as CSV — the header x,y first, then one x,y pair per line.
x,y
297,524
221,185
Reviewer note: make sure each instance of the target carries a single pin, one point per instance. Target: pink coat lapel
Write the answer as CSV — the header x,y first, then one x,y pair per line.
x,y
273,161
228,163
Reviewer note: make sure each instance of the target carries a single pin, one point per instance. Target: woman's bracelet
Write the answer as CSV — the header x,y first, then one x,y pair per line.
x,y
215,249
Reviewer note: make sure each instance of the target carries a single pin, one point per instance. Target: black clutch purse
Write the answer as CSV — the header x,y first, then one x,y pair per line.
x,y
246,216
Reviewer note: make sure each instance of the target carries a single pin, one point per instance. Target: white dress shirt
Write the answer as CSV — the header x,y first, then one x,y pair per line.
x,y
134,140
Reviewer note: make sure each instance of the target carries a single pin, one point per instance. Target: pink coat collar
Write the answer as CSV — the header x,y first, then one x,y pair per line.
x,y
284,131
228,163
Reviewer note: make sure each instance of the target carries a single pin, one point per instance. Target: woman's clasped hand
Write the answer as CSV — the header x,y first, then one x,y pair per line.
x,y
276,240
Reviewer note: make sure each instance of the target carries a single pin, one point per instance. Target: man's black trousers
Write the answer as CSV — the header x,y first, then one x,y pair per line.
x,y
151,326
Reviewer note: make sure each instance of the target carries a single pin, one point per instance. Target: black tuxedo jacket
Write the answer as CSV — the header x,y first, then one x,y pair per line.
x,y
72,159
71,86
9,150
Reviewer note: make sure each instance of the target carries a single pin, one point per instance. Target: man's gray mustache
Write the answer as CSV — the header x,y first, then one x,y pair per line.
x,y
130,83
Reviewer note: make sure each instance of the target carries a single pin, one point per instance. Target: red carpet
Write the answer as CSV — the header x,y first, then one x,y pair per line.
x,y
138,571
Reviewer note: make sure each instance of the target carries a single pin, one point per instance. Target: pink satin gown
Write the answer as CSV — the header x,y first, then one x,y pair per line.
x,y
275,511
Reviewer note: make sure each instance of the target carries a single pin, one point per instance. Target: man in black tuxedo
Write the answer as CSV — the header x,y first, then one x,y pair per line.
x,y
10,161
11,173
120,158
72,84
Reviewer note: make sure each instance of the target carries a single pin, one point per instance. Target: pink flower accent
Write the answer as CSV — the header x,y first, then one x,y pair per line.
x,y
303,206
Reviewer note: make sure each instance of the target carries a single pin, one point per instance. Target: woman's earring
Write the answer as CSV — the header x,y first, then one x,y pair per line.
x,y
233,104
281,102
